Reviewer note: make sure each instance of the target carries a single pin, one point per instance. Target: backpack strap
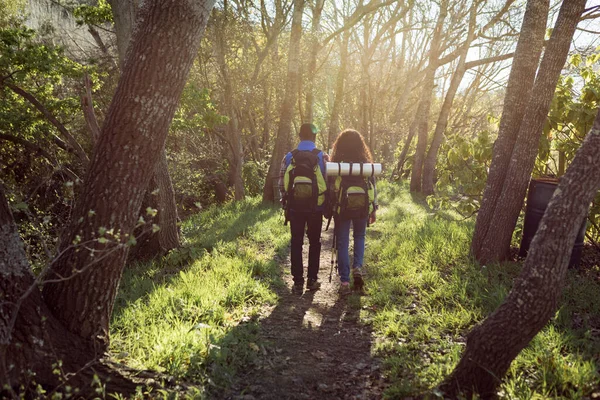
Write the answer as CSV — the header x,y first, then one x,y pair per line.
x,y
315,151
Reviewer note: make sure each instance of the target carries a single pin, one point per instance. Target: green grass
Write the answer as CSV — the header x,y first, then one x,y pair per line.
x,y
193,314
427,294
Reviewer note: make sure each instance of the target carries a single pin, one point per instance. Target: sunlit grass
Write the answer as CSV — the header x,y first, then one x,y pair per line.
x,y
192,314
426,294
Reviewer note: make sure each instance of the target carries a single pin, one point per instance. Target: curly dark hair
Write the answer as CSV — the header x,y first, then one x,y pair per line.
x,y
350,146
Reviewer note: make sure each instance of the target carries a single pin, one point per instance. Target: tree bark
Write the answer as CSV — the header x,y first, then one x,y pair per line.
x,y
520,83
442,122
87,271
496,246
493,345
289,101
422,116
151,244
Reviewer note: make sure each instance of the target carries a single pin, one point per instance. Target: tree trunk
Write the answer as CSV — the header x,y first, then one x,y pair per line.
x,y
289,101
442,122
124,14
520,83
151,244
338,99
86,273
496,246
425,103
232,131
493,345
32,340
411,134
312,60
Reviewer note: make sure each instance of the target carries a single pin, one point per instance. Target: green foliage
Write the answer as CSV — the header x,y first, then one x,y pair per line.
x,y
93,15
462,172
426,294
195,157
198,320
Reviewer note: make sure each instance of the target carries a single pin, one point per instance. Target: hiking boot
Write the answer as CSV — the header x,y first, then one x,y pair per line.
x,y
358,278
298,288
345,289
313,284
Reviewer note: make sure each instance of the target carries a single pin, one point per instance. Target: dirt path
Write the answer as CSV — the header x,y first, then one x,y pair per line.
x,y
316,346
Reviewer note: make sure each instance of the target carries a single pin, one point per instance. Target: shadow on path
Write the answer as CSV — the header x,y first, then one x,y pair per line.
x,y
315,346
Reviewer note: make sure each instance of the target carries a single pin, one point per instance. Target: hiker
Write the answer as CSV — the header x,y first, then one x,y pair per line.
x,y
303,187
354,202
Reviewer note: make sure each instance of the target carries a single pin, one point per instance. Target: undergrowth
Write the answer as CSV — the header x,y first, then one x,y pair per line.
x,y
426,294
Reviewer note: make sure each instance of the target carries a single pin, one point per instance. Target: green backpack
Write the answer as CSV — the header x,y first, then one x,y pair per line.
x,y
355,196
303,182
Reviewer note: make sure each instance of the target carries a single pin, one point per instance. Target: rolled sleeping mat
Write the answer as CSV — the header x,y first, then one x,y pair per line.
x,y
355,169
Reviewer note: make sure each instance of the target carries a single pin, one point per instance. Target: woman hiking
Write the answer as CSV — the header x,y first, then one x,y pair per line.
x,y
354,200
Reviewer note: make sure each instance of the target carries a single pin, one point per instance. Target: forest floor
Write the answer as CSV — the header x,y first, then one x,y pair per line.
x,y
315,345
217,315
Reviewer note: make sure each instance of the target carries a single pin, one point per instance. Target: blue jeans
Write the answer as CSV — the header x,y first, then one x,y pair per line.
x,y
342,227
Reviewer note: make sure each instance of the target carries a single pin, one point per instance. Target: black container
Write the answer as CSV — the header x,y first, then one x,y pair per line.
x,y
538,197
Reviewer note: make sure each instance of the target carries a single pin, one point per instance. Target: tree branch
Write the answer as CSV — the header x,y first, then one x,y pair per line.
x,y
52,119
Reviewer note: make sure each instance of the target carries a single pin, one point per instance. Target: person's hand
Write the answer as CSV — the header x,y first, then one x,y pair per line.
x,y
326,157
372,218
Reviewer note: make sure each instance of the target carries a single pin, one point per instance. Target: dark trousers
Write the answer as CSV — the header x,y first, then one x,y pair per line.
x,y
298,224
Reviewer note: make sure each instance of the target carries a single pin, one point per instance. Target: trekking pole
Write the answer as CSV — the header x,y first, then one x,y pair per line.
x,y
333,250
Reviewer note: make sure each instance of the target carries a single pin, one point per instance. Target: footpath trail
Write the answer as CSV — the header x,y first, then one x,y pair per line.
x,y
316,347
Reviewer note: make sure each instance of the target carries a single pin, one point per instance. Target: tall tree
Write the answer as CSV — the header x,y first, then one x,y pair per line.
x,y
233,135
70,322
160,195
520,83
422,115
534,298
84,279
287,108
442,121
496,244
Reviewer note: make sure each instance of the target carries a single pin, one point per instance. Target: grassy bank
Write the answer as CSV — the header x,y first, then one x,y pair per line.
x,y
429,294
192,315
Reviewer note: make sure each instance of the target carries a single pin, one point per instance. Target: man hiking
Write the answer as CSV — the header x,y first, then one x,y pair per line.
x,y
303,188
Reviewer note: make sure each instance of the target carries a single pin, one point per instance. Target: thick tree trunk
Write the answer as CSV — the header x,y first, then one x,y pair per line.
x,y
86,273
493,345
312,60
289,101
442,122
496,246
338,99
520,83
32,340
151,244
425,103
